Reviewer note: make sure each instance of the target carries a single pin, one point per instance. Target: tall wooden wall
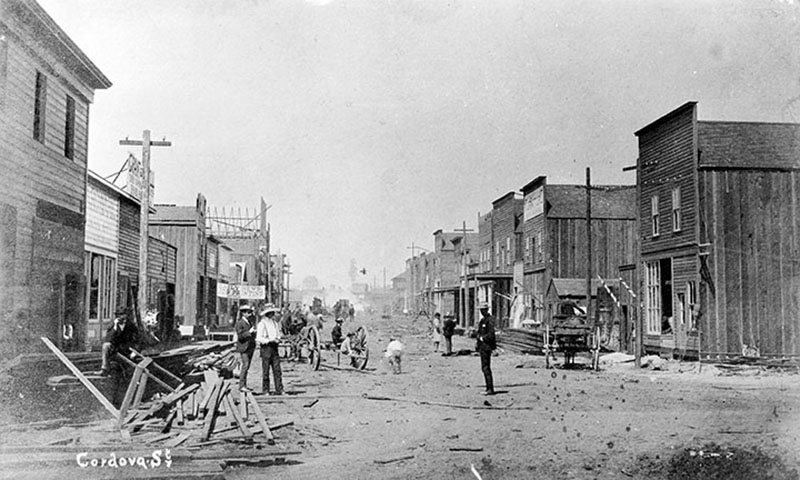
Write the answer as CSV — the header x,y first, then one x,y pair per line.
x,y
750,218
128,256
42,191
185,240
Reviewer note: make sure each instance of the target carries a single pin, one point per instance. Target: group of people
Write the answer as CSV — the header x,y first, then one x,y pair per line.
x,y
485,340
266,333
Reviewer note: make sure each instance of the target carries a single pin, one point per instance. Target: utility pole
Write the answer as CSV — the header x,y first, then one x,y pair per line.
x,y
144,215
588,242
288,276
462,304
411,268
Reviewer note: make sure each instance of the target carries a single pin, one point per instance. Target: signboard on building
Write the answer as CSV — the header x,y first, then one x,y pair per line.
x,y
135,184
244,292
534,204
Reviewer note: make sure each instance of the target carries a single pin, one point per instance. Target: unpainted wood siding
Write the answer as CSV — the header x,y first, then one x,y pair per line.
x,y
161,266
128,260
44,274
185,241
667,160
613,245
750,218
504,214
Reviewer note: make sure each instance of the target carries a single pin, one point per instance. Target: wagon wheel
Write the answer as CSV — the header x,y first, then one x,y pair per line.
x,y
359,362
313,347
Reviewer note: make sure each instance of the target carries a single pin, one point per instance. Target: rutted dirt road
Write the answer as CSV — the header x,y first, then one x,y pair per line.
x,y
621,422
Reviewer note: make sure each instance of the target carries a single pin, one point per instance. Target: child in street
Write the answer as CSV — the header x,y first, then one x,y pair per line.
x,y
394,352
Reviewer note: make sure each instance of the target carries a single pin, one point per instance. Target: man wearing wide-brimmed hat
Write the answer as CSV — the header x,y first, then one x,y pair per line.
x,y
268,334
245,342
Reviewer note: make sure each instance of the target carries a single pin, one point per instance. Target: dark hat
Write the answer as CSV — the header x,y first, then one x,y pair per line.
x,y
483,306
340,320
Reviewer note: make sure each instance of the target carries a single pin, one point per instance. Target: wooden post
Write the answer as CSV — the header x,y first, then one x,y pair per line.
x,y
462,304
588,243
79,375
132,389
260,417
144,212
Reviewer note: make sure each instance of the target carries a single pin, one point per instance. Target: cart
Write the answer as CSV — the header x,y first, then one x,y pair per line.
x,y
568,332
359,352
303,347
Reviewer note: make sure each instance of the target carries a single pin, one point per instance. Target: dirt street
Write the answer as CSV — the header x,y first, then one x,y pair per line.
x,y
431,421
621,422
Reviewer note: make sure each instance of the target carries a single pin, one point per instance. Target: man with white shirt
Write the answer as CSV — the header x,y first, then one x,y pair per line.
x,y
268,334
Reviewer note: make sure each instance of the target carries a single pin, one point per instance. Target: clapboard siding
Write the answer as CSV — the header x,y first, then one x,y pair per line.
x,y
160,260
666,161
128,261
42,193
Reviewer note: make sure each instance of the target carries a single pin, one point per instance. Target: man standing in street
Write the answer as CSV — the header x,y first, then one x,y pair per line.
x,y
245,342
486,343
268,334
448,329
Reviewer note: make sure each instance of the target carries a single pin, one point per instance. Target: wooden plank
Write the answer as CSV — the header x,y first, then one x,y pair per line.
x,y
161,369
170,399
195,407
175,441
179,409
148,374
243,405
234,412
137,399
203,405
79,375
212,409
170,418
262,421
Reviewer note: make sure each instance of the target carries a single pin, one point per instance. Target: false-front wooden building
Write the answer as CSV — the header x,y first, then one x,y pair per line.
x,y
720,236
555,242
112,259
184,227
46,86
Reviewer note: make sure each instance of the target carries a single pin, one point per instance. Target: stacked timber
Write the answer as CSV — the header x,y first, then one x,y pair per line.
x,y
521,340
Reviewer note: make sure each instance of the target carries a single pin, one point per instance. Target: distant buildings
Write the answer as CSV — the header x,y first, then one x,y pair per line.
x,y
701,255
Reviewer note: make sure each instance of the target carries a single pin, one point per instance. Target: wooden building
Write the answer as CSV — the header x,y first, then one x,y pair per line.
x,y
184,227
445,280
112,259
555,241
499,236
243,240
720,243
46,86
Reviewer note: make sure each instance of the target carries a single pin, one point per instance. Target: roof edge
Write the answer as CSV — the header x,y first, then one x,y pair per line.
x,y
685,106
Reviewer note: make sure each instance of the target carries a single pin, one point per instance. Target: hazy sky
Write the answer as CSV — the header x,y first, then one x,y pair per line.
x,y
368,125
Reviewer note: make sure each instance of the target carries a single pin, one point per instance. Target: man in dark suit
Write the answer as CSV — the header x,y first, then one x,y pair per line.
x,y
486,343
120,338
245,342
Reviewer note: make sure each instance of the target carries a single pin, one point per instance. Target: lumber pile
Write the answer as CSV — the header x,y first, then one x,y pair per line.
x,y
197,414
521,340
